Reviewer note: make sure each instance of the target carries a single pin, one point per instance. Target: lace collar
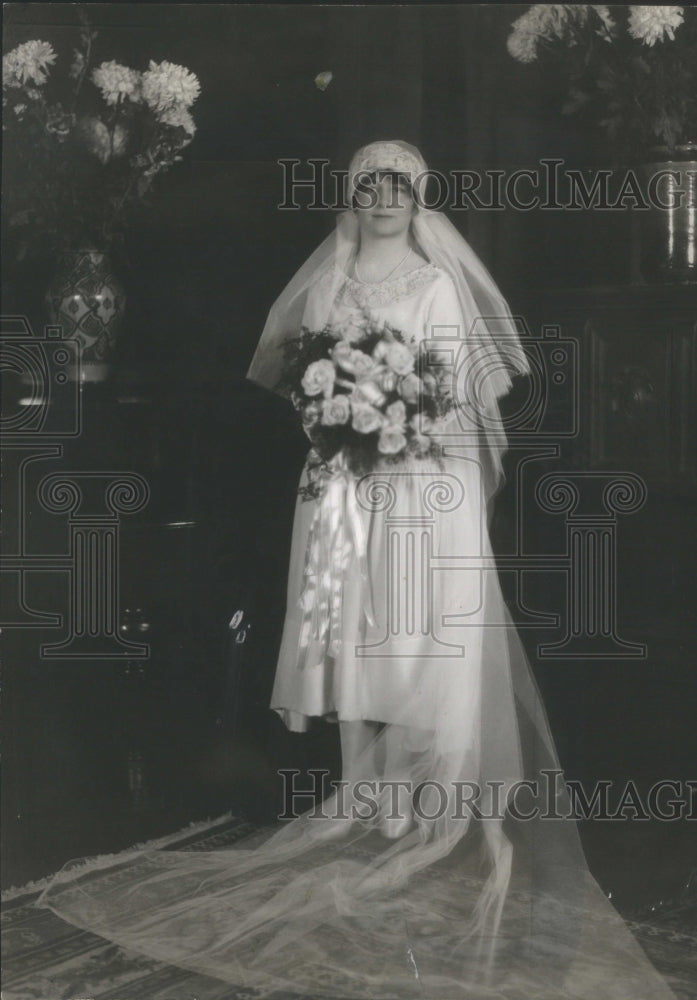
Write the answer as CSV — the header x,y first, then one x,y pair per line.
x,y
384,292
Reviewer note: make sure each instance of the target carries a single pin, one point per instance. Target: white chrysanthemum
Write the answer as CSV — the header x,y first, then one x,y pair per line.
x,y
522,45
29,61
9,78
166,85
179,117
650,24
551,22
116,82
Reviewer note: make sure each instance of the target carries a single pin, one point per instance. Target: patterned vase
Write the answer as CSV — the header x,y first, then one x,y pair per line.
x,y
87,300
668,233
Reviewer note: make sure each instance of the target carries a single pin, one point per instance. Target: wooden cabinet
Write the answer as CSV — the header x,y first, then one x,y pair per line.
x,y
638,378
637,421
107,745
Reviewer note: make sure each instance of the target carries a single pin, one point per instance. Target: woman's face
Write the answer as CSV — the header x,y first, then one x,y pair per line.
x,y
384,205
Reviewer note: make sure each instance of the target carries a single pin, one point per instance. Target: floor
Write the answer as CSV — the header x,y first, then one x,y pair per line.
x,y
640,863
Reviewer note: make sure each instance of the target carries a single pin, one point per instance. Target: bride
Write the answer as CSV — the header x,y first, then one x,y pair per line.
x,y
446,863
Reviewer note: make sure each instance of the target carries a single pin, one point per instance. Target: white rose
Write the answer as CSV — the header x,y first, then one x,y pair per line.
x,y
319,378
422,423
363,364
341,353
399,358
396,412
336,410
430,384
410,388
391,440
355,362
366,419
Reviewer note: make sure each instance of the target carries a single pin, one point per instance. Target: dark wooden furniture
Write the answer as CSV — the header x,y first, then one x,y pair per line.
x,y
105,750
637,419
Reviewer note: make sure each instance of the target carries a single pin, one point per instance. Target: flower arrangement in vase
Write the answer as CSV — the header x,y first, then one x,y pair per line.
x,y
631,72
83,145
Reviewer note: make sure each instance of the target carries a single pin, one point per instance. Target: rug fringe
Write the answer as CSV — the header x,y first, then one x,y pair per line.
x,y
105,860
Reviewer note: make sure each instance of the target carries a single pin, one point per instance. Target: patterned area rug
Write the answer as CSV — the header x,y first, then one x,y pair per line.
x,y
45,958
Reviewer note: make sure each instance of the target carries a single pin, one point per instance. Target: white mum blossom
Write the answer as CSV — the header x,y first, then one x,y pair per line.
x,y
522,45
29,61
9,78
165,85
179,117
551,22
116,82
650,24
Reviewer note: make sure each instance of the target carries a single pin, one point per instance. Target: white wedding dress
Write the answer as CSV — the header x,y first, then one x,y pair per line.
x,y
461,907
378,667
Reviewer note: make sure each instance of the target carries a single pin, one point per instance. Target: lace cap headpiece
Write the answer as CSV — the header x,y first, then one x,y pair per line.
x,y
385,155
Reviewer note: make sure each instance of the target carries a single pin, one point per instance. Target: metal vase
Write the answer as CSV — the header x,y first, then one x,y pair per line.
x,y
668,230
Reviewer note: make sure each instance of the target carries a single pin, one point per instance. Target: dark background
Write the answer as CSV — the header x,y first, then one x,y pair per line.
x,y
99,755
438,76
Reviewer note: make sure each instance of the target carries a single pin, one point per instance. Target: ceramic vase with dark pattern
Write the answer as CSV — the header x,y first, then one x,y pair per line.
x,y
87,300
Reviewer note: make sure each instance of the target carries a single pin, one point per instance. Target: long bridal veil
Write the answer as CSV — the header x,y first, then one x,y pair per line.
x,y
466,905
488,895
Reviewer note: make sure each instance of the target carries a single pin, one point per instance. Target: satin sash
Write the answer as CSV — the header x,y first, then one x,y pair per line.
x,y
337,534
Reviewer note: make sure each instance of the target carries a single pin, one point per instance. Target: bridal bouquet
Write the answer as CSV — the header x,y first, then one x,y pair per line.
x,y
372,398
